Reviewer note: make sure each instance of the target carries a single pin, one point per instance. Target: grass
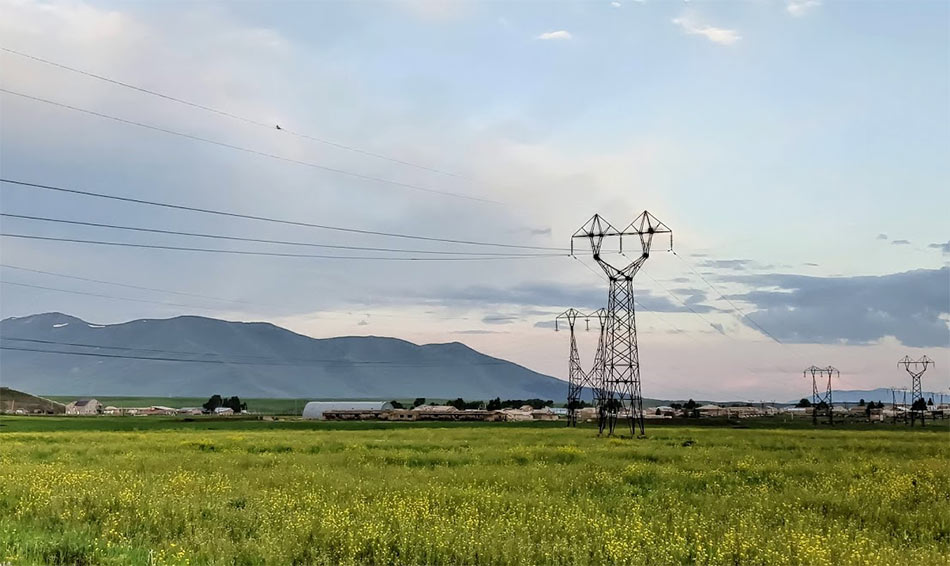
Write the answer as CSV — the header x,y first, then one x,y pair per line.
x,y
94,491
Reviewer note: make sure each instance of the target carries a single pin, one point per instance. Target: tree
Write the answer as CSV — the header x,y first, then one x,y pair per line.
x,y
213,403
861,403
676,406
919,405
690,405
804,403
396,404
418,401
234,403
458,404
930,401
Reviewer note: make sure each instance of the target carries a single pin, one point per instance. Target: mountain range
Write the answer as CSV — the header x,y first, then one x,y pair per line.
x,y
192,356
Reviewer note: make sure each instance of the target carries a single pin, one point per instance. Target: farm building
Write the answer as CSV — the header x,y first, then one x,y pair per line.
x,y
711,411
315,409
223,411
84,407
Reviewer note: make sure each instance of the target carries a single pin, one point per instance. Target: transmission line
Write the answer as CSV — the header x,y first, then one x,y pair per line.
x,y
268,254
230,362
139,287
107,296
265,360
680,301
736,309
192,137
273,127
38,186
255,240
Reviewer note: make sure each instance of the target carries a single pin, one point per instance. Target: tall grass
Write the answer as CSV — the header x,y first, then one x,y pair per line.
x,y
475,495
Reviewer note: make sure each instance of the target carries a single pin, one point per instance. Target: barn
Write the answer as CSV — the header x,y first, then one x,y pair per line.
x,y
315,409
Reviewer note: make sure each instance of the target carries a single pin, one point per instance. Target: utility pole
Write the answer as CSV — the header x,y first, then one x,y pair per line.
x,y
575,373
621,357
916,368
821,375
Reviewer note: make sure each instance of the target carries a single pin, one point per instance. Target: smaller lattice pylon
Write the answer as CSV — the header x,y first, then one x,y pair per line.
x,y
821,387
916,368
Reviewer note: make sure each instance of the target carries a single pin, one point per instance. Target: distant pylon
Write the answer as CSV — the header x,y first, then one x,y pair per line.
x,y
621,358
575,373
823,376
916,369
578,379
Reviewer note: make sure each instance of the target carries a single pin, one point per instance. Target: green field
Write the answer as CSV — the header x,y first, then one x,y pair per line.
x,y
94,491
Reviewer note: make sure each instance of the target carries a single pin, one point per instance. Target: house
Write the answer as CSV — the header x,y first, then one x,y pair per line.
x,y
514,415
315,409
543,415
224,411
711,411
84,407
587,414
662,411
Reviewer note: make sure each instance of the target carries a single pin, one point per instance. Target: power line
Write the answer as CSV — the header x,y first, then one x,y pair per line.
x,y
106,296
157,290
249,150
139,287
266,360
39,186
231,362
269,254
677,299
737,310
272,127
255,240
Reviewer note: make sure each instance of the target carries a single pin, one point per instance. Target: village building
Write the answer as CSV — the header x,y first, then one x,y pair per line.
x,y
84,407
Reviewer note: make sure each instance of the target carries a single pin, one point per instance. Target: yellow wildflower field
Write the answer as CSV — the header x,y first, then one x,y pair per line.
x,y
484,494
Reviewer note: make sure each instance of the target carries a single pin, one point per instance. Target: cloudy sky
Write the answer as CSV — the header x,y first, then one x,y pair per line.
x,y
798,150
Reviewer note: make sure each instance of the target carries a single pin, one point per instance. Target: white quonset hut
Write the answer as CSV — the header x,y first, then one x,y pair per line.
x,y
315,409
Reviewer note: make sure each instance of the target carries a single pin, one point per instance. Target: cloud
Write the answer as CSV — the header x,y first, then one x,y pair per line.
x,y
719,328
910,306
556,295
734,264
799,8
362,323
809,264
615,4
944,248
499,319
558,35
477,331
721,36
882,236
901,242
544,324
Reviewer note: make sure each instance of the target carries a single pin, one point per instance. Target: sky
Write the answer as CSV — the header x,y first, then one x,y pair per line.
x,y
799,151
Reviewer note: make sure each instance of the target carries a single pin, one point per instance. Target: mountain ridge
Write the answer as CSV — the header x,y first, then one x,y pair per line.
x,y
191,355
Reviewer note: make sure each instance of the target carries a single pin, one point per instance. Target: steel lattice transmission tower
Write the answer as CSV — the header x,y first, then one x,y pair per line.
x,y
916,368
621,378
576,376
824,377
578,379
